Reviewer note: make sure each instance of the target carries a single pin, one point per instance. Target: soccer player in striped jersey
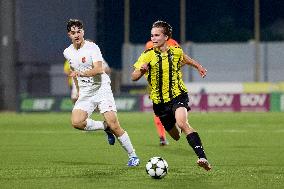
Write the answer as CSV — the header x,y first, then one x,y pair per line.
x,y
189,61
162,68
159,126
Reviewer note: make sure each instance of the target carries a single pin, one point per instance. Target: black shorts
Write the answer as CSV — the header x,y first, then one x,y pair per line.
x,y
166,111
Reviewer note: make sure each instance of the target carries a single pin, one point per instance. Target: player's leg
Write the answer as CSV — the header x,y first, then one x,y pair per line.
x,y
161,131
122,136
192,137
81,121
80,117
181,120
110,136
107,107
165,114
113,123
169,123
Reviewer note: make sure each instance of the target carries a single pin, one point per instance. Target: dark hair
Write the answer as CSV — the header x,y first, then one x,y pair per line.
x,y
167,28
74,22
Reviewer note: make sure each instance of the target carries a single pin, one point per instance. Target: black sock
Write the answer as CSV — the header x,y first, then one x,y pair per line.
x,y
194,141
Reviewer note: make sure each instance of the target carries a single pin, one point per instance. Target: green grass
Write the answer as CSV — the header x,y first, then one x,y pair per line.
x,y
42,151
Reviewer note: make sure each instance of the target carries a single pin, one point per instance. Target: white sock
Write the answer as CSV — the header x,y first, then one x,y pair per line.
x,y
94,125
126,144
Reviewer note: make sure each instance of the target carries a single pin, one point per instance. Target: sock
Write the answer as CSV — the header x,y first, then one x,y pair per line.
x,y
195,142
94,125
160,128
127,145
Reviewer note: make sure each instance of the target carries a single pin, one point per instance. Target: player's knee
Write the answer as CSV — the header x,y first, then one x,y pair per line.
x,y
182,125
113,124
117,131
77,125
185,128
115,128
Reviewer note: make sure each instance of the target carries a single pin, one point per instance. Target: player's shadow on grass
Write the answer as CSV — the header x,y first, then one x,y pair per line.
x,y
79,163
92,170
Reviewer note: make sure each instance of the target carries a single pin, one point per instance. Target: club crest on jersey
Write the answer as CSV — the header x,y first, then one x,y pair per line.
x,y
83,59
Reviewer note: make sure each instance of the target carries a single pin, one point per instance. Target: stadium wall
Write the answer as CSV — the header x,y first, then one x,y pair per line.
x,y
231,62
199,102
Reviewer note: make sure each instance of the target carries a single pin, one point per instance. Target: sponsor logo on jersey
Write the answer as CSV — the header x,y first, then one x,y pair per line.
x,y
83,59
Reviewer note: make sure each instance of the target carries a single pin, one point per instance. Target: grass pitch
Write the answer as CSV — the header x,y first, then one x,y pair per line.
x,y
42,150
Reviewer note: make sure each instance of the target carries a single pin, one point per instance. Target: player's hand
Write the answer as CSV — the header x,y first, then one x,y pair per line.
x,y
202,71
144,68
77,96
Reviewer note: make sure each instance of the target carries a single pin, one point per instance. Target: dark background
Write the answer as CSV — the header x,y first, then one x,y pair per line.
x,y
41,30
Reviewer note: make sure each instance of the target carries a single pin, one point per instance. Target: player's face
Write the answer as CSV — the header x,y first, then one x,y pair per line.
x,y
76,35
157,37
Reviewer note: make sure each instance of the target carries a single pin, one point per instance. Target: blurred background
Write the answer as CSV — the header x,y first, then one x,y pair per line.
x,y
240,42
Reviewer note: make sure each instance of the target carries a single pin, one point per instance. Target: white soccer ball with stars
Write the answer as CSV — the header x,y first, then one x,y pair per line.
x,y
157,167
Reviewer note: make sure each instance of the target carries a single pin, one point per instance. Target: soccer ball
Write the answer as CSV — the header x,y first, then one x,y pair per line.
x,y
157,167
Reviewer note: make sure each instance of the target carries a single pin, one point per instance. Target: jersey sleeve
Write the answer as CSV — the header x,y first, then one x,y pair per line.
x,y
145,57
65,54
96,54
178,52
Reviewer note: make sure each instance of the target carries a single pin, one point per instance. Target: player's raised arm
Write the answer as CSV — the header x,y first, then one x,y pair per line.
x,y
190,61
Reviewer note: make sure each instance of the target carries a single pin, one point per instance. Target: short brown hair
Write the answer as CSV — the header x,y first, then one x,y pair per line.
x,y
74,22
167,28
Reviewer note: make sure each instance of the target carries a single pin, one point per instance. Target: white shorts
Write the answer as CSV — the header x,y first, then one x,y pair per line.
x,y
102,99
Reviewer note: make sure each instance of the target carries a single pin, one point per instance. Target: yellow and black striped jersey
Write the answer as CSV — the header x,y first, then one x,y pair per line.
x,y
164,75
